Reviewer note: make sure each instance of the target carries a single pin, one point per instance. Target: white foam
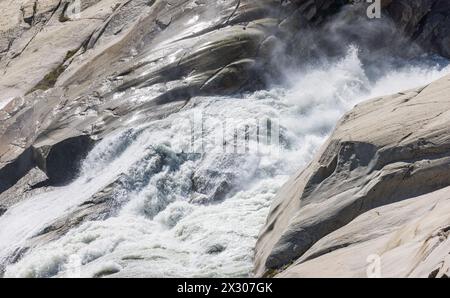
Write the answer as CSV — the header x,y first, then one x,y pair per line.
x,y
159,232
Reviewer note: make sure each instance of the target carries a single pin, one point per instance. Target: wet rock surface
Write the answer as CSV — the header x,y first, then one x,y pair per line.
x,y
66,75
68,79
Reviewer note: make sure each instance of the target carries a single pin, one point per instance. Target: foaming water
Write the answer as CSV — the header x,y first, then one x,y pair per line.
x,y
194,215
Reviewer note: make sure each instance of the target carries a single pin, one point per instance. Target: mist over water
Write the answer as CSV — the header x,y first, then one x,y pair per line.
x,y
197,215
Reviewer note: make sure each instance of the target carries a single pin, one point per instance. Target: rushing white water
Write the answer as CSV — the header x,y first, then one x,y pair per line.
x,y
172,222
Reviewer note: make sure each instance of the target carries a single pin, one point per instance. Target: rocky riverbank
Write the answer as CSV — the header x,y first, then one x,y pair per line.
x,y
378,188
75,72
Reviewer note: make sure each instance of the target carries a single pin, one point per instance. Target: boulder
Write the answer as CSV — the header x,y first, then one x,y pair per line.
x,y
385,156
403,239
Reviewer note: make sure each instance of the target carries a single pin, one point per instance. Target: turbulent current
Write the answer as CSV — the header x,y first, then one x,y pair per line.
x,y
188,201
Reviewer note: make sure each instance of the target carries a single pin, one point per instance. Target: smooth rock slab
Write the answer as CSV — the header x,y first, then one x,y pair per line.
x,y
384,151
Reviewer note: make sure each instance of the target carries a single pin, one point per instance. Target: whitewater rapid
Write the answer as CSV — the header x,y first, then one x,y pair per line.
x,y
195,214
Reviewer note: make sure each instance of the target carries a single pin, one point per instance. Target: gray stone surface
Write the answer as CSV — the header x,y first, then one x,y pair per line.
x,y
384,151
67,80
66,75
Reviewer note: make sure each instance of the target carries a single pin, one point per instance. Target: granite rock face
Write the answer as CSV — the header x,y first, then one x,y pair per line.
x,y
377,187
66,75
77,77
425,21
72,72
